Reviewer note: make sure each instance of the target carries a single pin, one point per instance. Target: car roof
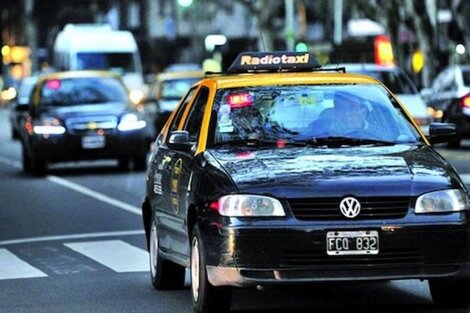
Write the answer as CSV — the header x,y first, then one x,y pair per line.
x,y
368,67
180,75
288,78
79,74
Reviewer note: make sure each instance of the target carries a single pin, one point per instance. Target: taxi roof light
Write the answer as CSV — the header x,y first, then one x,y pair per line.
x,y
286,61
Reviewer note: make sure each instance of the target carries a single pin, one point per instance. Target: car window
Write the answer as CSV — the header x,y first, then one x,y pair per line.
x,y
194,121
176,88
296,113
76,91
181,109
466,77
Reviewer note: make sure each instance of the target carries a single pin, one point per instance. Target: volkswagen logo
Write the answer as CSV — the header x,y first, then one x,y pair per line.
x,y
350,207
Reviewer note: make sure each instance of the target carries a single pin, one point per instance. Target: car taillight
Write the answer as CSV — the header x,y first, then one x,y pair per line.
x,y
465,101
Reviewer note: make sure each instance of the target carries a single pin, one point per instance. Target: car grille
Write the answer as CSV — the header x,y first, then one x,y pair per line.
x,y
312,259
321,209
83,125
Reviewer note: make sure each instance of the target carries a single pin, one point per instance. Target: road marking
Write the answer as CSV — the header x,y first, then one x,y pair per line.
x,y
97,195
12,267
10,162
115,254
70,237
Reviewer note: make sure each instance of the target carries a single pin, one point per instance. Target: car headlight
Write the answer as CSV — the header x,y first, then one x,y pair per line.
x,y
452,200
131,121
49,126
136,96
249,205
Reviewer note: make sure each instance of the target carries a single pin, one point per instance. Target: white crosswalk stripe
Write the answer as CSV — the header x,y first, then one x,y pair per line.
x,y
115,254
12,267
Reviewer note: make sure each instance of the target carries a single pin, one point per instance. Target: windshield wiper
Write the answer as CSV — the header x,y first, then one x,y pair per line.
x,y
255,142
340,140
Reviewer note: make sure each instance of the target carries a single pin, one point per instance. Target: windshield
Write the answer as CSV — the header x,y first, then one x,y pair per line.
x,y
73,91
119,62
310,113
396,81
176,88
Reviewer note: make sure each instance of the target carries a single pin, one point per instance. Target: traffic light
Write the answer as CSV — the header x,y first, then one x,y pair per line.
x,y
301,47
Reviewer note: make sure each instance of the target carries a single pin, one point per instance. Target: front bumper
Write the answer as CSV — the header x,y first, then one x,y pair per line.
x,y
238,256
69,147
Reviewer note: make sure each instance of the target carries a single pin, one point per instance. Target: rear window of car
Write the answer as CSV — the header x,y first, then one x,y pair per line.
x,y
75,91
175,89
296,113
396,81
466,77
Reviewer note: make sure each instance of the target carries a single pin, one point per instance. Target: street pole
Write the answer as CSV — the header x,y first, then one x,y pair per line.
x,y
290,34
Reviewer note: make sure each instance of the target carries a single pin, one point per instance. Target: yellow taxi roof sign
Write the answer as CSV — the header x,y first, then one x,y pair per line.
x,y
273,62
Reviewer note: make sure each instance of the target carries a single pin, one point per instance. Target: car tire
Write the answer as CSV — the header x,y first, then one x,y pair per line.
x,y
140,162
26,160
14,134
123,164
454,143
448,293
205,297
165,274
38,167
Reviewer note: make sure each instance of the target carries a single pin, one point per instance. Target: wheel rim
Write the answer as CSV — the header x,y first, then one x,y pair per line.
x,y
195,270
153,250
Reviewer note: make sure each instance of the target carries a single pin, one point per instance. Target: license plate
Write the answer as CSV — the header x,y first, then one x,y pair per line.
x,y
93,142
352,242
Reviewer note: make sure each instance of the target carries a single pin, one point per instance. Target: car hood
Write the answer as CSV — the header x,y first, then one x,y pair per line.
x,y
400,170
112,108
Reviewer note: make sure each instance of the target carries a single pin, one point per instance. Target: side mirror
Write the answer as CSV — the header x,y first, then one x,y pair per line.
x,y
441,132
179,140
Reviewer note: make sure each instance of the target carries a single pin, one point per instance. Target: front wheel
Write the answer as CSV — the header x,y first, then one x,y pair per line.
x,y
205,297
140,162
450,293
164,274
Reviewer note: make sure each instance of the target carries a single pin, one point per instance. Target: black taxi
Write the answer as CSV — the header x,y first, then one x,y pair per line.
x,y
280,171
82,115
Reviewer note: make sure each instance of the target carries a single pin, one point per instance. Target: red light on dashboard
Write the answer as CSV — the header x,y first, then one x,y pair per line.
x,y
53,84
239,100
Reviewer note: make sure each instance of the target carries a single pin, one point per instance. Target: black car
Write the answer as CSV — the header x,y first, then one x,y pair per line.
x,y
449,96
20,104
82,116
288,173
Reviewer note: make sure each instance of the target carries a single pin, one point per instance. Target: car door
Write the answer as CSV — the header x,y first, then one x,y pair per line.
x,y
182,171
162,164
444,89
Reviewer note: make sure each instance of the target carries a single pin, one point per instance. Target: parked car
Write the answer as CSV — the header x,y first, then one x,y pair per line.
x,y
82,115
402,87
282,172
450,95
164,95
20,104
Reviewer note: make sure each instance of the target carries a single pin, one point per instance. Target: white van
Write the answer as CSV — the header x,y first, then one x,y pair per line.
x,y
99,47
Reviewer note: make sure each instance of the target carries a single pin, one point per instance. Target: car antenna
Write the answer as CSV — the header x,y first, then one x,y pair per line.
x,y
262,39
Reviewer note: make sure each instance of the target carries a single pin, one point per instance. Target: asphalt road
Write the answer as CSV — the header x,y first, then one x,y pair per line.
x,y
73,242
